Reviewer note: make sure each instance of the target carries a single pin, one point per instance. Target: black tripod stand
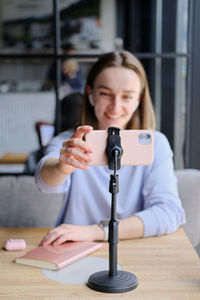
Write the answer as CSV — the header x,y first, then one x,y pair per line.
x,y
113,281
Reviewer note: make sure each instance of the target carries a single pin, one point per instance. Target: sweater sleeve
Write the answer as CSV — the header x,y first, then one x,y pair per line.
x,y
53,150
162,210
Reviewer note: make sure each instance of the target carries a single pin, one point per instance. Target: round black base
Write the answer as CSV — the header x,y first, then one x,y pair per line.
x,y
122,282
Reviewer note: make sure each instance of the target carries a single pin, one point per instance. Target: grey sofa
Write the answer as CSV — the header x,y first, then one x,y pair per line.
x,y
22,205
189,190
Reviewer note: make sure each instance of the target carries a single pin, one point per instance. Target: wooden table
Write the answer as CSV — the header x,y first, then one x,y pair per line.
x,y
167,267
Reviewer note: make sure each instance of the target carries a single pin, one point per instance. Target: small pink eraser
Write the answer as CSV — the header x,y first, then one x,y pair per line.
x,y
15,244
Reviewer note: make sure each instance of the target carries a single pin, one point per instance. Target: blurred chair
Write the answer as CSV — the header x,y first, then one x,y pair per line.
x,y
189,191
45,132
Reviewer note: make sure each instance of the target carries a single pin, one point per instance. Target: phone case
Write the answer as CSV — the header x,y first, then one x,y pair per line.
x,y
138,147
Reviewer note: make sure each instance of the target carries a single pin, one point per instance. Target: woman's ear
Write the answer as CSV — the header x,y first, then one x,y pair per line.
x,y
90,97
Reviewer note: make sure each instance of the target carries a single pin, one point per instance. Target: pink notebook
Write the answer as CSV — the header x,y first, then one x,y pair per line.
x,y
56,257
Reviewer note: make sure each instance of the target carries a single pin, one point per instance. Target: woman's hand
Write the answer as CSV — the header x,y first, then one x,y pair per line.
x,y
67,232
75,153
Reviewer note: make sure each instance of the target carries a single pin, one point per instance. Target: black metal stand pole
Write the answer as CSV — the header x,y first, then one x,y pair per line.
x,y
113,225
113,281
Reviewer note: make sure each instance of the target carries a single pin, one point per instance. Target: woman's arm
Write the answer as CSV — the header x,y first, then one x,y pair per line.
x,y
128,229
52,173
75,153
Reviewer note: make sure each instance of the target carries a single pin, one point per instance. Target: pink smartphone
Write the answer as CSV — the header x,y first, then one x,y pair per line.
x,y
138,147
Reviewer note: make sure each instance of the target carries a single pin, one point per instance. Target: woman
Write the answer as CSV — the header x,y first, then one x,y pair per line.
x,y
116,94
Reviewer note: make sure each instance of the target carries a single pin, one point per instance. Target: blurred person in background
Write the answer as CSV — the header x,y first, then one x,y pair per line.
x,y
71,75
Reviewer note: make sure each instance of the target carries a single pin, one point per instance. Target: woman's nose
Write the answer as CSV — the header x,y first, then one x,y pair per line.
x,y
115,105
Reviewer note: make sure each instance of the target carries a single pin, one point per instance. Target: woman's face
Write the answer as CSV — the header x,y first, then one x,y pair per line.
x,y
115,96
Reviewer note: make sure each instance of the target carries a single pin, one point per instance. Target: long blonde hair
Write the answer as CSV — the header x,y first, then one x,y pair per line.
x,y
144,116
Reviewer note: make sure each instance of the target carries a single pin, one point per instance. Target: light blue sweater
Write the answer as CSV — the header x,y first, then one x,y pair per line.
x,y
150,192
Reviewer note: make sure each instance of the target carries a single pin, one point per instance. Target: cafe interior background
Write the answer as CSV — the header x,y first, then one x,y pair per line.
x,y
163,34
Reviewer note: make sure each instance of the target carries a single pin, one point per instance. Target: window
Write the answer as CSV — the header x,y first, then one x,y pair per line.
x,y
157,32
33,38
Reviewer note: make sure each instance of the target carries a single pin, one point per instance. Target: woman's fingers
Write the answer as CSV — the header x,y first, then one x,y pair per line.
x,y
75,157
81,131
68,232
71,161
76,152
76,142
63,238
49,238
55,233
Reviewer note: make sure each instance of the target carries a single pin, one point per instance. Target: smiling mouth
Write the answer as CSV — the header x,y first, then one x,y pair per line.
x,y
112,116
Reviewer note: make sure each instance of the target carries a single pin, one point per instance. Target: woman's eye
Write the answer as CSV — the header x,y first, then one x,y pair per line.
x,y
105,94
127,97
